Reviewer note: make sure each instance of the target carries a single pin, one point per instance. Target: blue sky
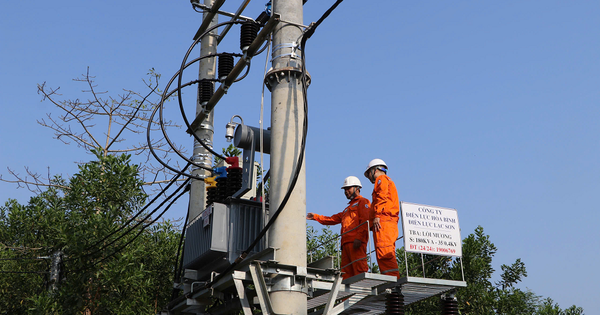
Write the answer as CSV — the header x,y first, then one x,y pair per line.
x,y
488,107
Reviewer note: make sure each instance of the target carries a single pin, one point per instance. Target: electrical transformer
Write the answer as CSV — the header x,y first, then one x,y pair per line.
x,y
221,233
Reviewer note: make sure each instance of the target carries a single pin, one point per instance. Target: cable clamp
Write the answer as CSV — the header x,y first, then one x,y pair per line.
x,y
207,127
292,45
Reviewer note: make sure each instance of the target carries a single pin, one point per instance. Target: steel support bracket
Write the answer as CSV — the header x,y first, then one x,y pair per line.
x,y
241,291
261,289
337,283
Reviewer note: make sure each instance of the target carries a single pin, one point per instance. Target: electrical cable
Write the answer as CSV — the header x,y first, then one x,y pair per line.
x,y
171,182
307,34
311,29
138,223
180,101
151,148
24,258
292,182
180,78
187,188
39,272
179,262
245,74
161,119
149,129
267,44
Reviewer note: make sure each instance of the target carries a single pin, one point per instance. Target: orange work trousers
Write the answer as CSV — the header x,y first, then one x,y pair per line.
x,y
351,265
385,247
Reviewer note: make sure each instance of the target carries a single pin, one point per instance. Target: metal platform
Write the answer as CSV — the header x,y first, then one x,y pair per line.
x,y
367,293
326,292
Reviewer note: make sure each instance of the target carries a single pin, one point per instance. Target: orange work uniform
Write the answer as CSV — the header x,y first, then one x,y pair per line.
x,y
355,214
386,207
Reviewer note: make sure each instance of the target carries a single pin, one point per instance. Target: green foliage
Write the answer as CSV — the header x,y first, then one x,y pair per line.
x,y
260,173
480,297
102,196
321,245
230,151
548,307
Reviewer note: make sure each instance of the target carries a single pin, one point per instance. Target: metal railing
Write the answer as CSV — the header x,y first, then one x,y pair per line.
x,y
338,250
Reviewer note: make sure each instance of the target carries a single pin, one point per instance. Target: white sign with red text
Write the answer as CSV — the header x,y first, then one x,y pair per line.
x,y
430,230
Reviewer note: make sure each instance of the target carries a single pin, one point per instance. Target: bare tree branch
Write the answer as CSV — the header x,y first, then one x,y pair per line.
x,y
33,181
80,119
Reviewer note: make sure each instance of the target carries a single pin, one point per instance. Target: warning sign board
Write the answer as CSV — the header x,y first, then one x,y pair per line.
x,y
430,230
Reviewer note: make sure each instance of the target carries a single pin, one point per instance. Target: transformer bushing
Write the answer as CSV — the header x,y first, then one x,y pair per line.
x,y
234,180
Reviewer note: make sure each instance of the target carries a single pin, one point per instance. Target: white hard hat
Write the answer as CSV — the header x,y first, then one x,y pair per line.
x,y
375,162
351,181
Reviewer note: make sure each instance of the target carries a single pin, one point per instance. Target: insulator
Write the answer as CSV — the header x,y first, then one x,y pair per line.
x,y
211,195
262,18
205,90
225,65
234,180
449,306
394,304
221,190
249,30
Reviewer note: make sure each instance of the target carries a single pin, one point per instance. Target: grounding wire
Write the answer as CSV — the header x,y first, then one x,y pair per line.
x,y
261,127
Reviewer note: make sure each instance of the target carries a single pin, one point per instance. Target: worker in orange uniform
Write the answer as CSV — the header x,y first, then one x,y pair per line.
x,y
354,235
384,217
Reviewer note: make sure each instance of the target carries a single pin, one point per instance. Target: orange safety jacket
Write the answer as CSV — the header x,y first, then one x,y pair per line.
x,y
385,200
355,214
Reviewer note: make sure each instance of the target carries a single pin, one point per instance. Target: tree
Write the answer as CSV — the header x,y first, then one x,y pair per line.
x,y
106,124
321,245
129,272
481,296
230,151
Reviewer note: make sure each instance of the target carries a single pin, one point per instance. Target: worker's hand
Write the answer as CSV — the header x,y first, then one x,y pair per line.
x,y
376,224
357,243
310,216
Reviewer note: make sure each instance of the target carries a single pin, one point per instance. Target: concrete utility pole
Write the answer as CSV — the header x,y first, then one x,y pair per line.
x,y
205,131
288,233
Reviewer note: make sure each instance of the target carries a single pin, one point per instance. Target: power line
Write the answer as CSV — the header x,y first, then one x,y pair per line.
x,y
184,185
171,182
140,232
24,272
